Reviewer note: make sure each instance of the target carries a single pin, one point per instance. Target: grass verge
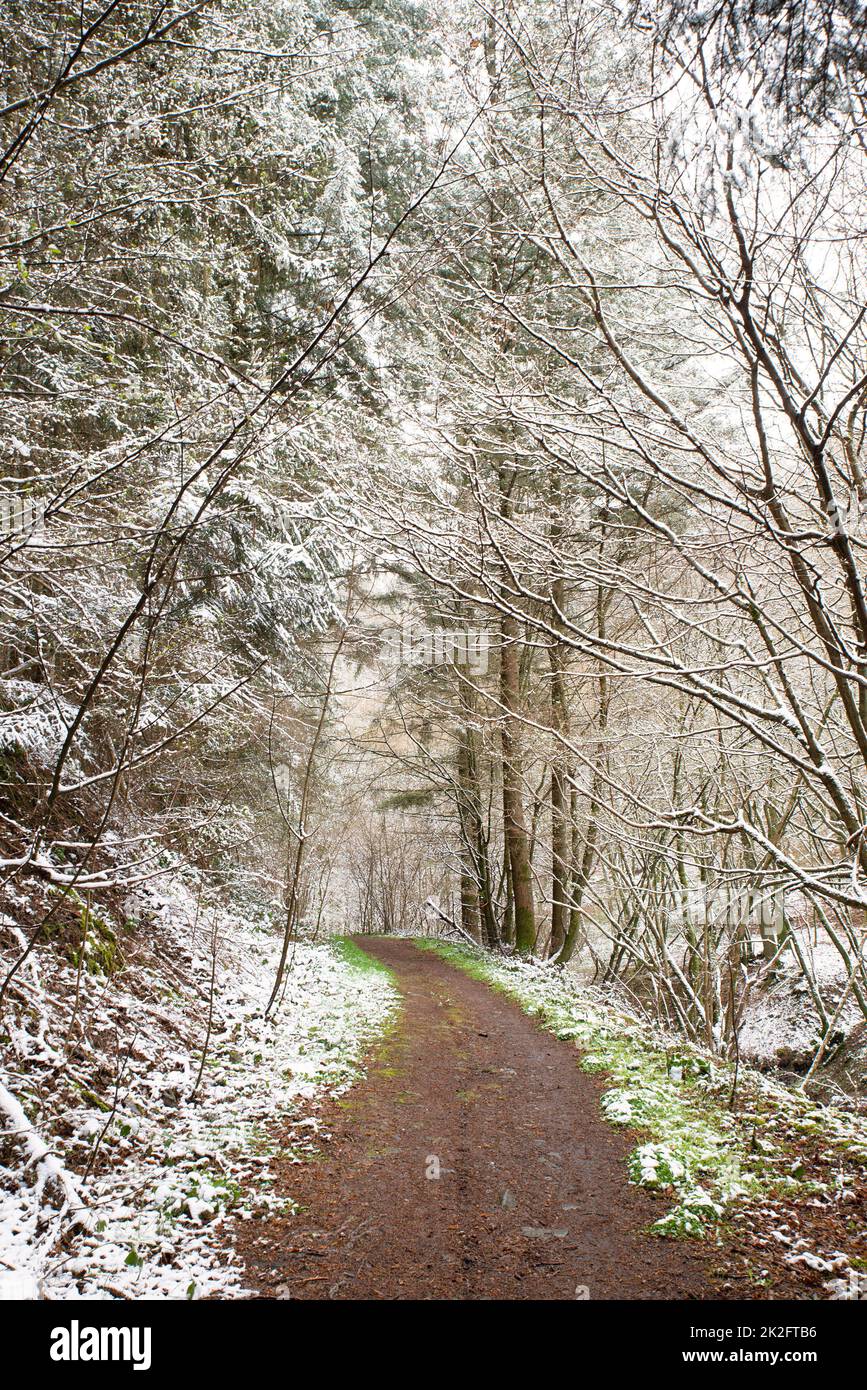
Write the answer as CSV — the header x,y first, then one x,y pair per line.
x,y
352,955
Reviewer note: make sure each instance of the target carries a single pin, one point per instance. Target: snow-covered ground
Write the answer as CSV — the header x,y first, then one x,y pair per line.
x,y
119,1183
780,1023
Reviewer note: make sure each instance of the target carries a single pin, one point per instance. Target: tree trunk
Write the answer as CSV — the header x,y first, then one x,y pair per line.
x,y
561,847
583,867
514,825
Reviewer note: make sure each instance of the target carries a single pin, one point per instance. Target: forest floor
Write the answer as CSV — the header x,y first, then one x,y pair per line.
x,y
473,1161
139,1101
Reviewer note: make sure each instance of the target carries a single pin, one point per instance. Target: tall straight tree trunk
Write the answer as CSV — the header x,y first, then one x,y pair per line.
x,y
584,856
516,840
508,900
520,910
470,919
470,915
474,834
561,847
561,835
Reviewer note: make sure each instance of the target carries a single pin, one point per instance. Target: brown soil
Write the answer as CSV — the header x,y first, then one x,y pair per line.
x,y
532,1200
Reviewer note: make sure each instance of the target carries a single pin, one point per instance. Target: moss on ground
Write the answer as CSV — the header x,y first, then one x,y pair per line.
x,y
90,932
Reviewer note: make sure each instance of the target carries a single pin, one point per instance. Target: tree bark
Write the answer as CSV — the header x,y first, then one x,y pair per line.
x,y
516,841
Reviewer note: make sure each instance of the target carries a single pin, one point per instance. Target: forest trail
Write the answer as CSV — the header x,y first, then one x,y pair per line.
x,y
532,1201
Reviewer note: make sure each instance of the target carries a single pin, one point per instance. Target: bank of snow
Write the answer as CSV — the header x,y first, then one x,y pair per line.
x,y
781,1026
118,1165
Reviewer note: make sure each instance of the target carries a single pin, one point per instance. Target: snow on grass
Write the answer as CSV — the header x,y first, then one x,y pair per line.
x,y
703,1153
159,1161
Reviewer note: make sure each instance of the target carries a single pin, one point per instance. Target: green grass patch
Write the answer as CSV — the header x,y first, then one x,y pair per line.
x,y
352,955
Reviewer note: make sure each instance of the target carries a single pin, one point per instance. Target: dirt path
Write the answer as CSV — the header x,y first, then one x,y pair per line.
x,y
531,1201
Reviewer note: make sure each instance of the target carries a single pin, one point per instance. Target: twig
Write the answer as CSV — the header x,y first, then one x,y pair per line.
x,y
210,1009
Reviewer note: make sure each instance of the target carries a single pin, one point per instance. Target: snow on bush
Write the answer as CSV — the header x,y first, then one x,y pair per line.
x,y
33,720
126,1193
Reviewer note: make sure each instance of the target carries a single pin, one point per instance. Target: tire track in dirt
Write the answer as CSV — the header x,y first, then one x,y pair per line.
x,y
532,1199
